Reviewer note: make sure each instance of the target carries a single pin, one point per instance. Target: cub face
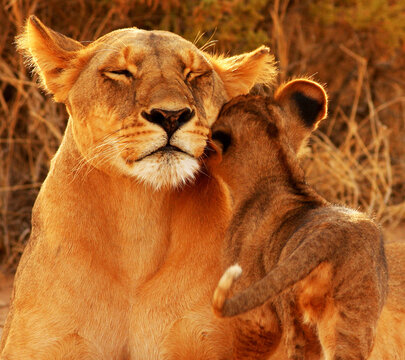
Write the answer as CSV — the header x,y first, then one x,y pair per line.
x,y
141,102
259,138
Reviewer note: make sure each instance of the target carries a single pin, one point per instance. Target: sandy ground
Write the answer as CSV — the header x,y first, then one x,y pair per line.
x,y
6,281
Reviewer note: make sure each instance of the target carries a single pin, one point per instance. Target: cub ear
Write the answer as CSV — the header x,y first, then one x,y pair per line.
x,y
52,55
241,72
307,102
306,98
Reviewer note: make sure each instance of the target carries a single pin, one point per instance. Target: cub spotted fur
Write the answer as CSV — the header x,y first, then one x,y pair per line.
x,y
319,269
122,259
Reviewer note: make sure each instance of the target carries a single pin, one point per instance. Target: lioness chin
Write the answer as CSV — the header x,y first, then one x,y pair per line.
x,y
122,259
313,272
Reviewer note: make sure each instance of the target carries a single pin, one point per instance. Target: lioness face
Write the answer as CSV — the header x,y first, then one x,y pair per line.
x,y
141,102
157,96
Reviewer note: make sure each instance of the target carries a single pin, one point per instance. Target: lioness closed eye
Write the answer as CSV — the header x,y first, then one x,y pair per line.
x,y
318,268
122,258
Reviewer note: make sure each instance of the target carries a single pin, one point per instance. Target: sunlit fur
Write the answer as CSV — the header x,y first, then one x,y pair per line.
x,y
126,238
318,280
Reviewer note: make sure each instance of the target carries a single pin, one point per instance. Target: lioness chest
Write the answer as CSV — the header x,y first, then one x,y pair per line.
x,y
129,286
175,321
169,306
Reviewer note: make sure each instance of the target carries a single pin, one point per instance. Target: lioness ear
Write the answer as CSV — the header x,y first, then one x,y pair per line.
x,y
240,73
52,56
307,102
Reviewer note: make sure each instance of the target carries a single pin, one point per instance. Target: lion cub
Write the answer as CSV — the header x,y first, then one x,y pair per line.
x,y
321,266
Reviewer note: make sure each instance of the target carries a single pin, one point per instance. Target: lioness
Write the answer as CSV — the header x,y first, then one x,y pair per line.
x,y
122,259
321,266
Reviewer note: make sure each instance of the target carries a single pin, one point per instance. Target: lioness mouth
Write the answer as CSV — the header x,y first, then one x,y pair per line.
x,y
169,148
165,149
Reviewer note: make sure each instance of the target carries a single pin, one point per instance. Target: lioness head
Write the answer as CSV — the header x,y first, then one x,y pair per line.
x,y
260,137
141,102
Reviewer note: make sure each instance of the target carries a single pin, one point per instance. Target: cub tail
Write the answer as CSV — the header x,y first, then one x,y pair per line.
x,y
286,273
224,285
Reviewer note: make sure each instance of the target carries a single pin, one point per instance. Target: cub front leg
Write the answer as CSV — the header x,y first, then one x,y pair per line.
x,y
294,335
344,309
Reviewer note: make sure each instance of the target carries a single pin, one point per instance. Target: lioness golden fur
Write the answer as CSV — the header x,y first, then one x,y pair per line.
x,y
122,259
319,269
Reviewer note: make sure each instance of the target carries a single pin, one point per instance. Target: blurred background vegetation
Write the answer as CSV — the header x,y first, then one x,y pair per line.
x,y
356,47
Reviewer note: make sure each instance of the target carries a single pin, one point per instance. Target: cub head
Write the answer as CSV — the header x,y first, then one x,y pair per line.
x,y
258,138
141,103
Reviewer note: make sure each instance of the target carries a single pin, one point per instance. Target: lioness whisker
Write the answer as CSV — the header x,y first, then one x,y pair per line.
x,y
210,39
106,49
198,37
95,152
208,45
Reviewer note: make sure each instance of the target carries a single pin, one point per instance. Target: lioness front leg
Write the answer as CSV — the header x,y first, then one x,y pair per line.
x,y
71,347
198,336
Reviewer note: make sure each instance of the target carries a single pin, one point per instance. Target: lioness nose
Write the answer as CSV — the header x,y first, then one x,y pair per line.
x,y
169,120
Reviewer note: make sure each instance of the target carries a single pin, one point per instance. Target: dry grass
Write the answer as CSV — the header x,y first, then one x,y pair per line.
x,y
357,158
361,170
